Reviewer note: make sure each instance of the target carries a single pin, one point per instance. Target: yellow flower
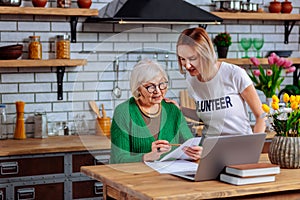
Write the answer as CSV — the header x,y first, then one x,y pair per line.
x,y
292,98
266,108
286,98
294,105
298,98
275,105
275,99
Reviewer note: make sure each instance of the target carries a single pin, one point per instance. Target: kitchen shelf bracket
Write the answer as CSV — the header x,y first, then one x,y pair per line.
x,y
73,23
287,30
60,76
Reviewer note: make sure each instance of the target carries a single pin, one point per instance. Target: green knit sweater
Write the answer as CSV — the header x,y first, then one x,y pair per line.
x,y
131,138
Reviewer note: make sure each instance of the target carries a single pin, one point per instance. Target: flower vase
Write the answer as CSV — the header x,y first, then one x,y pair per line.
x,y
285,152
222,51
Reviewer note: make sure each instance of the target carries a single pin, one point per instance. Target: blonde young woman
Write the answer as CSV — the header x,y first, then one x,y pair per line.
x,y
221,90
144,126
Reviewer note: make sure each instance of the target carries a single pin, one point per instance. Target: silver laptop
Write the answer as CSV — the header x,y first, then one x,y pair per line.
x,y
220,151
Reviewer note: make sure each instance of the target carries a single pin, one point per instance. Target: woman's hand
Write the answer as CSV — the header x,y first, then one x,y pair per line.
x,y
193,152
172,101
158,148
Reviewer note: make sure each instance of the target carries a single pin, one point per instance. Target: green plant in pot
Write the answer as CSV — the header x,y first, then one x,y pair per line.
x,y
222,41
284,118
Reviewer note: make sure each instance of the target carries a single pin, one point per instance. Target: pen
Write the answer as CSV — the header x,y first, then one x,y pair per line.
x,y
176,145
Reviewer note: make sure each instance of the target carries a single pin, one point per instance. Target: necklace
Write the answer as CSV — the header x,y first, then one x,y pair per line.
x,y
148,114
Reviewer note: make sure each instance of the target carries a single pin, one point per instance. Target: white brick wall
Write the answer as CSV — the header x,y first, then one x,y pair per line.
x,y
38,86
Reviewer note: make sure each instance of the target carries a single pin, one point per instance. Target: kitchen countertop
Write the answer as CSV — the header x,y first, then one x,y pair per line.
x,y
55,144
58,144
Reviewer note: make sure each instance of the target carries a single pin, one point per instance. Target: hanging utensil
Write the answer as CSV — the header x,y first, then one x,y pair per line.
x,y
95,108
167,67
117,91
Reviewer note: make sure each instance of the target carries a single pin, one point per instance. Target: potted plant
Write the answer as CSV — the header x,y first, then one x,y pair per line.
x,y
284,119
222,41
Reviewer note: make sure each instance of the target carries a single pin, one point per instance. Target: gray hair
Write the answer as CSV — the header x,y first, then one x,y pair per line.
x,y
145,71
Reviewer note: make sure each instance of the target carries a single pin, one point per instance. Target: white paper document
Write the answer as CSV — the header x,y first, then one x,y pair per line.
x,y
178,153
174,166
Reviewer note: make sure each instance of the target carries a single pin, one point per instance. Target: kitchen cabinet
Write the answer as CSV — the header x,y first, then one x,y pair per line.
x,y
50,168
289,19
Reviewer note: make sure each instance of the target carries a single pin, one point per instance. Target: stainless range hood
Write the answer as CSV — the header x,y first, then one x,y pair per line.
x,y
154,12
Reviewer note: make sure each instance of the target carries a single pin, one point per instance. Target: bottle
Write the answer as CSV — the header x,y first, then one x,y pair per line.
x,y
35,48
20,121
62,47
3,125
66,128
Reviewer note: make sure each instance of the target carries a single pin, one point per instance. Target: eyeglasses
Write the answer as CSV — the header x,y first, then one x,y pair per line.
x,y
151,88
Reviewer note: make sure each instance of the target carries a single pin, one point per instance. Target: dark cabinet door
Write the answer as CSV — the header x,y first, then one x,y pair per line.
x,y
48,191
31,166
87,189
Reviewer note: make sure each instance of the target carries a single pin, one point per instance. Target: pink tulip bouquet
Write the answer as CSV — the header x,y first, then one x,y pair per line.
x,y
268,79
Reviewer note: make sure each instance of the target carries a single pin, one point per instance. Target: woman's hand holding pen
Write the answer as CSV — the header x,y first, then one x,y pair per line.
x,y
158,147
193,152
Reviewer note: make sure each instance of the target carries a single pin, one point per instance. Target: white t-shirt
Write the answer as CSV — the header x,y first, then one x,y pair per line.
x,y
219,103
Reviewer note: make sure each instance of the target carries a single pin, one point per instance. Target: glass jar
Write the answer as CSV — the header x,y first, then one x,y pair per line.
x,y
64,3
62,47
35,48
3,125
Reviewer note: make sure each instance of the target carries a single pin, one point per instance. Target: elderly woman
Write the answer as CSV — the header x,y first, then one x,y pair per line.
x,y
144,126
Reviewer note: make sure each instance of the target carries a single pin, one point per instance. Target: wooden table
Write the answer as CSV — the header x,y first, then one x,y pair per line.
x,y
138,181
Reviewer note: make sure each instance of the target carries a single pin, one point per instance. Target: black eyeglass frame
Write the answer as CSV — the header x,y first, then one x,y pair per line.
x,y
153,87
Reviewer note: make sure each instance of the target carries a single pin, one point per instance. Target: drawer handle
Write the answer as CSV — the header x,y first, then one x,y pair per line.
x,y
26,193
98,188
9,168
1,195
101,161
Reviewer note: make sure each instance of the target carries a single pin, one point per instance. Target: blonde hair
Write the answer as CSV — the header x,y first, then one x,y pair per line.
x,y
198,39
145,71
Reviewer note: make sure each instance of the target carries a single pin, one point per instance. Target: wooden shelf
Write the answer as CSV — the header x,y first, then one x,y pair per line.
x,y
43,63
289,19
48,11
60,64
257,16
74,13
246,61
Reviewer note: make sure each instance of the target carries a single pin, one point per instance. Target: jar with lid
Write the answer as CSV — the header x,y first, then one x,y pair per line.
x,y
35,48
40,124
62,47
3,124
64,3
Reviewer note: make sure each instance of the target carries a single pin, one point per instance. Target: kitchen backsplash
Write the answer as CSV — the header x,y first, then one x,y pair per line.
x,y
101,45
